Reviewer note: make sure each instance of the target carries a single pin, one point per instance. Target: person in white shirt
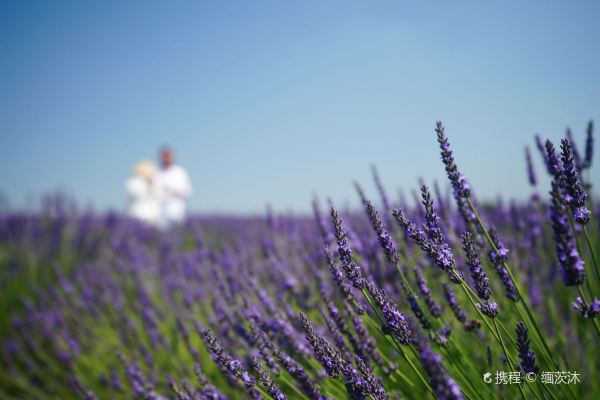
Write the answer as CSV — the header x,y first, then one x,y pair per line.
x,y
144,198
175,188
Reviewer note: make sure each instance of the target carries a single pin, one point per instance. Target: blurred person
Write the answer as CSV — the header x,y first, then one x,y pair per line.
x,y
144,197
175,188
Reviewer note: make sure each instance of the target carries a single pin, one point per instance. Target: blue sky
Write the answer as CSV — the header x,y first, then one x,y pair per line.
x,y
271,102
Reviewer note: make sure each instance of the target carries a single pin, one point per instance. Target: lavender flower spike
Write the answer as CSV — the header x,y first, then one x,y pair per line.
x,y
440,254
576,156
444,387
530,169
266,379
228,364
461,189
575,195
480,279
396,322
526,355
553,163
434,308
432,223
326,354
340,280
498,258
382,234
589,145
460,314
570,263
288,362
542,149
353,271
459,184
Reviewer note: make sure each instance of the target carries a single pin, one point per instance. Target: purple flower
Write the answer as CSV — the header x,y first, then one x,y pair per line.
x,y
479,276
336,335
353,271
591,311
526,355
266,379
498,257
570,263
489,308
440,254
340,280
366,342
288,362
181,394
325,353
530,169
342,327
460,186
576,157
589,145
361,383
444,387
228,364
575,195
553,163
396,323
542,149
460,314
417,311
432,225
385,240
434,308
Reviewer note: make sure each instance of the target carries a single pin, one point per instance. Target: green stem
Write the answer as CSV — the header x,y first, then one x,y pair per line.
x,y
512,366
591,248
517,286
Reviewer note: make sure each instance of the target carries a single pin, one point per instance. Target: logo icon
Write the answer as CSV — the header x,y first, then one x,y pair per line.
x,y
487,377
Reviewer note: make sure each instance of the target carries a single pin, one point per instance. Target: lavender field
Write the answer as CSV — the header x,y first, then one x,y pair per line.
x,y
437,295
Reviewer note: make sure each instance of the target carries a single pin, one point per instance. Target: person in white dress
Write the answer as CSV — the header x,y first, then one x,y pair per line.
x,y
175,188
144,198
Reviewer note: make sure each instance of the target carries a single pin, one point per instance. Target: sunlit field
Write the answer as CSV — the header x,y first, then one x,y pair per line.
x,y
431,294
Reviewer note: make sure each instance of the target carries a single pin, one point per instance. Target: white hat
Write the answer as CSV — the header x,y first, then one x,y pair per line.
x,y
145,169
